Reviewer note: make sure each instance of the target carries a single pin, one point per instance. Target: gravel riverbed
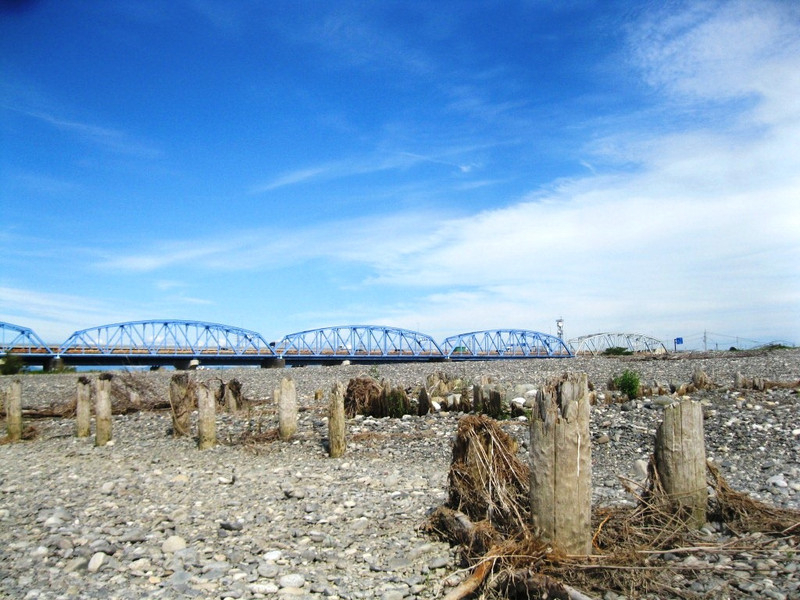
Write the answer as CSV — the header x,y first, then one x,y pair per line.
x,y
152,516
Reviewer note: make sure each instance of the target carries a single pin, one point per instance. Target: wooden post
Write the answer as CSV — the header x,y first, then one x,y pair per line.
x,y
182,401
478,402
14,411
700,379
493,406
102,410
83,408
423,402
287,409
206,420
232,395
336,424
680,457
561,464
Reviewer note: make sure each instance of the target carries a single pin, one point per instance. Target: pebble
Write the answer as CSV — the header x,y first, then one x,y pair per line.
x,y
153,516
173,543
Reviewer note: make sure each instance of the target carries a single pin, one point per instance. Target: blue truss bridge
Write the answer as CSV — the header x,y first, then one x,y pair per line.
x,y
505,343
186,344
357,344
23,342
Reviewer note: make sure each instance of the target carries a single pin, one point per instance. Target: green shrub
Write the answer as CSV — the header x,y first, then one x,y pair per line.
x,y
397,403
617,351
11,364
628,383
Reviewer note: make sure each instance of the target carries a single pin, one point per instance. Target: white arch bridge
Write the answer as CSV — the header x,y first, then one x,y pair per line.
x,y
597,343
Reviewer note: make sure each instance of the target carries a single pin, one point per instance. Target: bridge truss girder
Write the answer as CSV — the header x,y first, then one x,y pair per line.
x,y
167,338
21,341
597,343
504,343
359,343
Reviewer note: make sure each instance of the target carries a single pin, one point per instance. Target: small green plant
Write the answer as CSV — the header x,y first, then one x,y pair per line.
x,y
617,351
628,383
397,403
375,372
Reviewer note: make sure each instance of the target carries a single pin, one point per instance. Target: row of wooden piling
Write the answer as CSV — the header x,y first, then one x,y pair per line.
x,y
560,444
184,396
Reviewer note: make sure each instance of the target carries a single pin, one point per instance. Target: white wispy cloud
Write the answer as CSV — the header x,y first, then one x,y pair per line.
x,y
702,230
55,316
112,139
380,161
292,178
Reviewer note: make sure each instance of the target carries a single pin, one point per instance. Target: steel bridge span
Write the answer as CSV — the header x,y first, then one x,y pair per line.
x,y
357,344
505,344
184,344
23,342
597,343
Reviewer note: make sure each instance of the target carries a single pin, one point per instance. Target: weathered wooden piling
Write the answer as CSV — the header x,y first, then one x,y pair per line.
x,y
423,402
336,424
478,400
102,410
14,411
83,408
680,457
232,395
207,418
561,464
182,401
493,401
287,409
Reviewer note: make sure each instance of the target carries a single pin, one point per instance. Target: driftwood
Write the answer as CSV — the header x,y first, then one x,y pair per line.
x,y
511,582
473,581
527,583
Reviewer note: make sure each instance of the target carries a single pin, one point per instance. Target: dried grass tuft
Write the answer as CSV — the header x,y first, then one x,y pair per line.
x,y
362,396
742,514
487,481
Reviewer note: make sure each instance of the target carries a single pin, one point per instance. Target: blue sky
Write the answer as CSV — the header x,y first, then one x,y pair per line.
x,y
443,167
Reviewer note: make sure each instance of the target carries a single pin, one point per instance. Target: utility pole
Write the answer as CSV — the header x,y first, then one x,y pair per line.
x,y
705,339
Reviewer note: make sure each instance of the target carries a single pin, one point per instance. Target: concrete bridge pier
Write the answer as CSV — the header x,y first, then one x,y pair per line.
x,y
273,363
186,365
54,364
